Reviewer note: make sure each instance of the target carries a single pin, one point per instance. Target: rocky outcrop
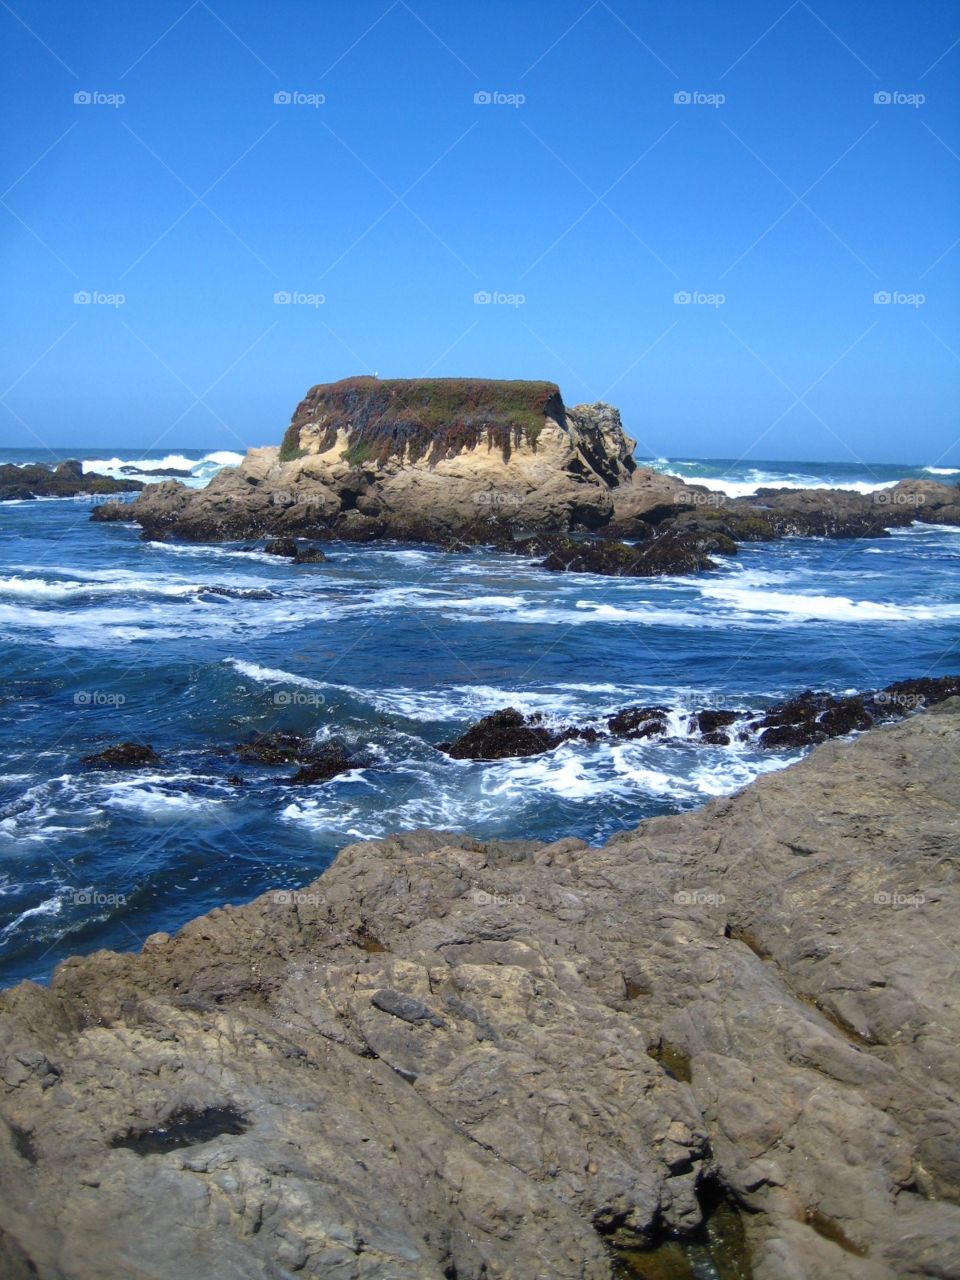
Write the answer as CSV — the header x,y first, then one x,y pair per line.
x,y
454,1058
425,459
66,480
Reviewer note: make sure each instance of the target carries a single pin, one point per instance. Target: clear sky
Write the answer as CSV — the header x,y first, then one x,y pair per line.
x,y
781,196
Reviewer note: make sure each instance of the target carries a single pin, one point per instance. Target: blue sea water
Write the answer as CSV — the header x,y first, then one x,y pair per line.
x,y
105,638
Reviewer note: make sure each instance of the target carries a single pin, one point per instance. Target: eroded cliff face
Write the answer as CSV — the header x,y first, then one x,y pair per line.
x,y
431,459
452,1058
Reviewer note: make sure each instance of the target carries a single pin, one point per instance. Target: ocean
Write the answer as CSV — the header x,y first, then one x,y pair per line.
x,y
393,649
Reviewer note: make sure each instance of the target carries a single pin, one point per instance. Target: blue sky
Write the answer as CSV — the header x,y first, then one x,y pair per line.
x,y
781,198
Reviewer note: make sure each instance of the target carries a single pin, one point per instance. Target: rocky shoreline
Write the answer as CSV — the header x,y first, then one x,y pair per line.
x,y
722,1044
465,462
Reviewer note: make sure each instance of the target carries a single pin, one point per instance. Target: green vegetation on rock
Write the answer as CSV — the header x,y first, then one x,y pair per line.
x,y
413,418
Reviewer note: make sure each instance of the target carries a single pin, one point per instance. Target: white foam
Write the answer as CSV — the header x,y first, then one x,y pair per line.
x,y
201,470
748,488
155,801
943,471
273,675
224,458
825,608
50,907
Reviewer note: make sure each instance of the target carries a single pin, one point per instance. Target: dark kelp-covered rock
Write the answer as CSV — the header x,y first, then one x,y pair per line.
x,y
490,1060
639,722
653,557
318,761
124,755
801,721
509,733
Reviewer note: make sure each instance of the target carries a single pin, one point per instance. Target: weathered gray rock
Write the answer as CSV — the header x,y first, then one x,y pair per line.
x,y
447,1058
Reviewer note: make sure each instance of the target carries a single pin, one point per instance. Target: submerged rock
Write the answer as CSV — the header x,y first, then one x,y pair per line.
x,y
455,1058
666,554
323,763
319,762
124,755
275,747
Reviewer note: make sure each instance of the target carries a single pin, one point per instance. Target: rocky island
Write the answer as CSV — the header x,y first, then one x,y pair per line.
x,y
458,462
723,1045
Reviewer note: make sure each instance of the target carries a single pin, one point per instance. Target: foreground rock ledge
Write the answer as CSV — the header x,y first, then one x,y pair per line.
x,y
447,1058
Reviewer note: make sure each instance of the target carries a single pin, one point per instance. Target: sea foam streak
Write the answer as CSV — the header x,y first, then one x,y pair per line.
x,y
826,608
